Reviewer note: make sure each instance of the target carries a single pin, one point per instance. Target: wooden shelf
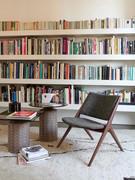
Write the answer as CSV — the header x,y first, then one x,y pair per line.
x,y
75,107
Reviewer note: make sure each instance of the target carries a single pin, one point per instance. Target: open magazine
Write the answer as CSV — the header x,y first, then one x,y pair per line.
x,y
47,100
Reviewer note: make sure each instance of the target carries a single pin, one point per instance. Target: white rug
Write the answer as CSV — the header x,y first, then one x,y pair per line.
x,y
69,161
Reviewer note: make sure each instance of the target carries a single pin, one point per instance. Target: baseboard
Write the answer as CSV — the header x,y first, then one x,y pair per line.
x,y
123,126
61,124
115,126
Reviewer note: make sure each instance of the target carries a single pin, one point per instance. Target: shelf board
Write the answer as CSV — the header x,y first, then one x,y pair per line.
x,y
129,83
121,108
75,107
86,57
69,32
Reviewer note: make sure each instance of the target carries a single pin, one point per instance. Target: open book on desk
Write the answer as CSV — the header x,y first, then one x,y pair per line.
x,y
47,100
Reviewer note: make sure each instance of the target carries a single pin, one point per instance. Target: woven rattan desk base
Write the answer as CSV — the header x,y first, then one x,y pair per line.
x,y
18,135
48,125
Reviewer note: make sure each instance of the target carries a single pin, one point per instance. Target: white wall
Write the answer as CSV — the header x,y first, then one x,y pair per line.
x,y
68,9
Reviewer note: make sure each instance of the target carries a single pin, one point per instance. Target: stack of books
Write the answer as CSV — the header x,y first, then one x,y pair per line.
x,y
32,154
23,115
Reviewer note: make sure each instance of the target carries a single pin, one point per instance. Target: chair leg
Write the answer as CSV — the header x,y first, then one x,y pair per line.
x,y
116,139
65,134
88,132
97,147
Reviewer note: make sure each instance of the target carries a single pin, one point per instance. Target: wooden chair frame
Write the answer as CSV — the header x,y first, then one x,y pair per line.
x,y
107,128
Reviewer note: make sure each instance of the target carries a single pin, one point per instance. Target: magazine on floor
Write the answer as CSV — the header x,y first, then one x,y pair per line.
x,y
35,152
21,160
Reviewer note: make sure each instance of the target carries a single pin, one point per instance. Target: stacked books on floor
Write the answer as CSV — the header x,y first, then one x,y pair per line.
x,y
32,154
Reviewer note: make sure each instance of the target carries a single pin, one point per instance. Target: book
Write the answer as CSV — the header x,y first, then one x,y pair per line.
x,y
23,115
21,160
35,152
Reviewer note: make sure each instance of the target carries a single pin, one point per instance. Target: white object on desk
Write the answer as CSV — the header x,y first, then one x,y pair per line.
x,y
47,97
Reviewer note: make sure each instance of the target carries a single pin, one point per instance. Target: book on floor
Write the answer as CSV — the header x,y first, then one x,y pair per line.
x,y
21,160
23,114
35,152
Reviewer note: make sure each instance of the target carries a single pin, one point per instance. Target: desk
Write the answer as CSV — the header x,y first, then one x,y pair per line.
x,y
18,132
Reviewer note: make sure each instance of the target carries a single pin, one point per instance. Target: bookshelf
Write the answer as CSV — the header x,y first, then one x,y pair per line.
x,y
94,59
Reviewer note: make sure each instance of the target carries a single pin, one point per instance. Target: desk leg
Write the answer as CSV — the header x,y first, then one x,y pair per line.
x,y
48,125
18,135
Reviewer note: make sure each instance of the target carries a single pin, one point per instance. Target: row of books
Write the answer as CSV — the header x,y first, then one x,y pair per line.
x,y
66,95
127,97
107,72
33,94
67,24
99,23
67,45
13,46
57,70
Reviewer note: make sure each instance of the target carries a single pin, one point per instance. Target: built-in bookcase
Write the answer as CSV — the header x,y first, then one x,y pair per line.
x,y
71,62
